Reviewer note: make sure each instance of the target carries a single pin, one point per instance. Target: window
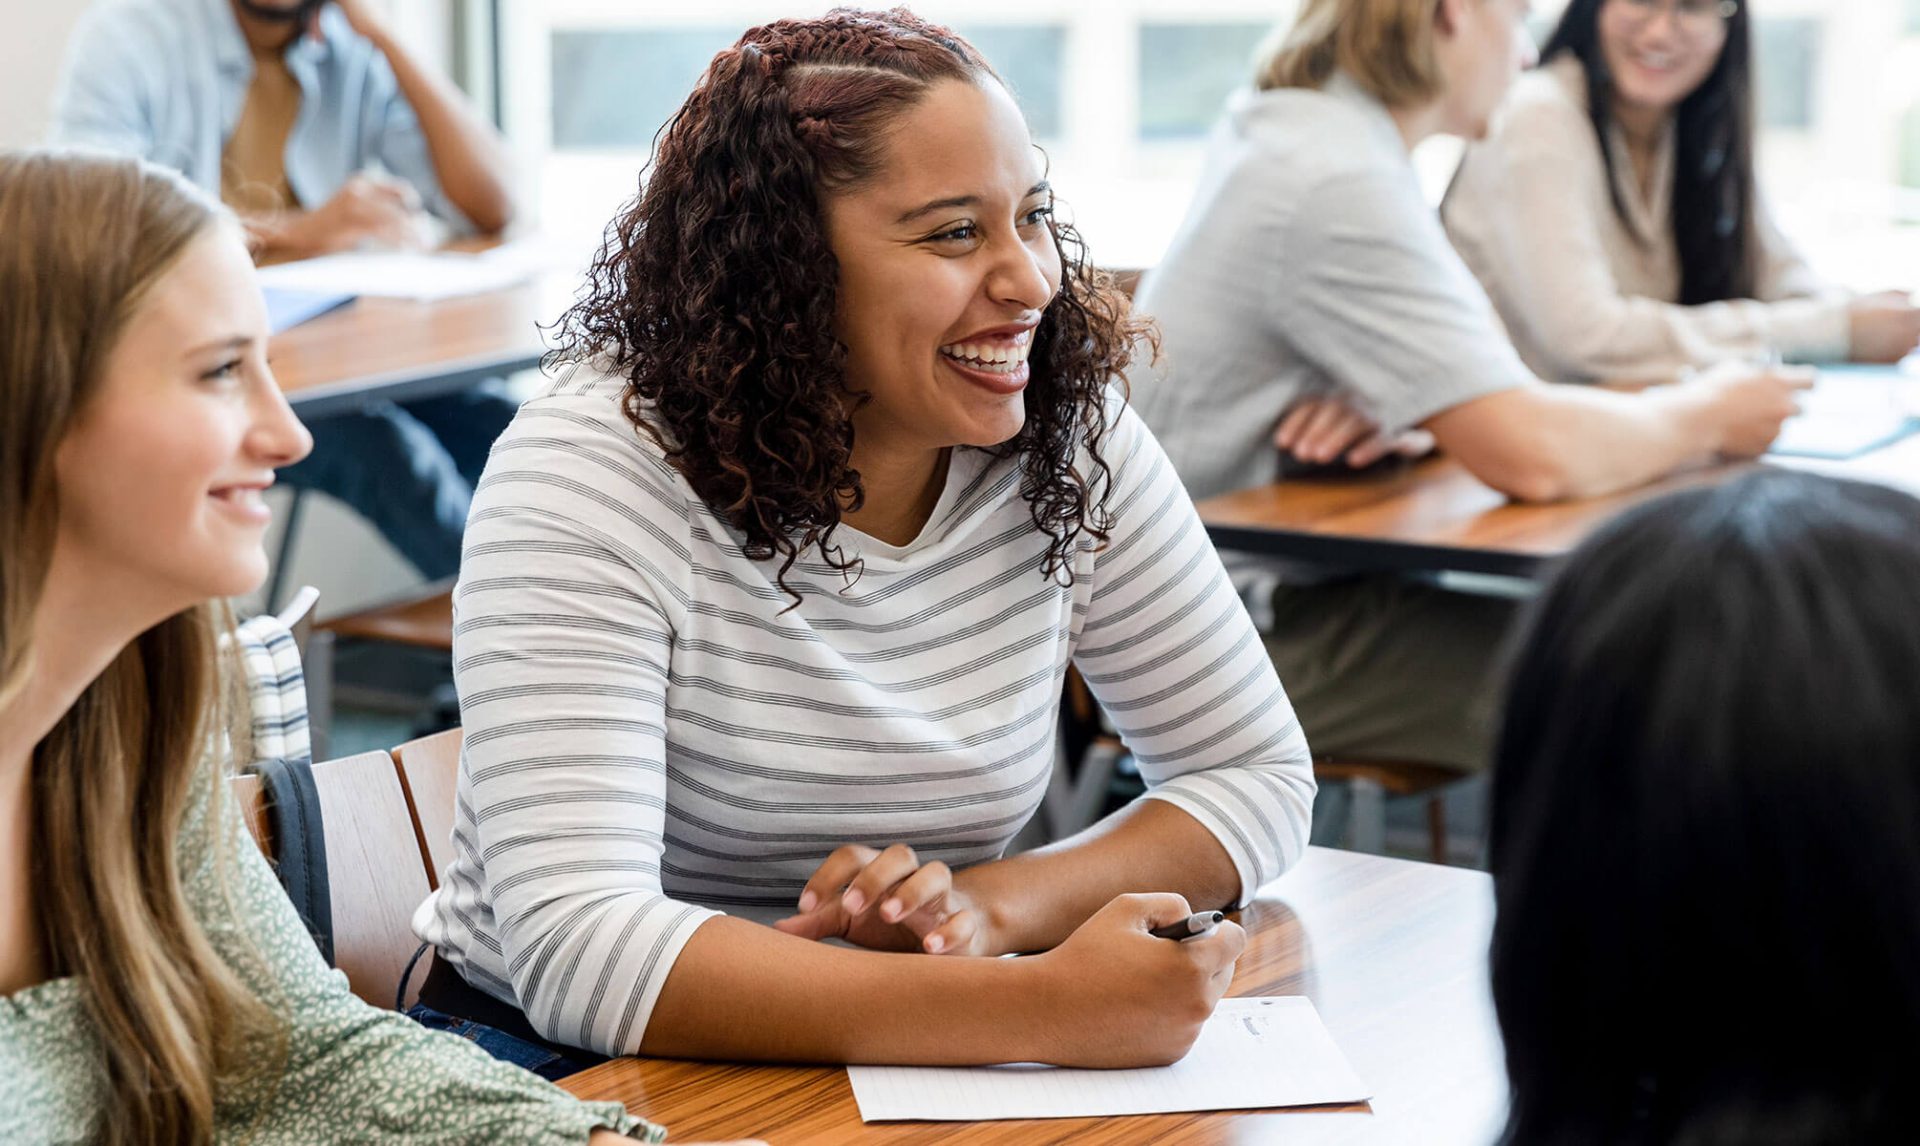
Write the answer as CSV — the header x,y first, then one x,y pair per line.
x,y
616,89
1032,59
1910,147
1785,65
1122,94
1188,70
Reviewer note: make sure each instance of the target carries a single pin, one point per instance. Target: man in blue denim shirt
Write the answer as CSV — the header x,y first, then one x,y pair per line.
x,y
312,122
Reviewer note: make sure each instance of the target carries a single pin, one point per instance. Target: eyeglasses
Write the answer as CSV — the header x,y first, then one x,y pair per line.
x,y
1694,17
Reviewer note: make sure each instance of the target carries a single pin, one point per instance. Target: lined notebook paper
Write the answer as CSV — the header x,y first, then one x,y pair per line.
x,y
1251,1055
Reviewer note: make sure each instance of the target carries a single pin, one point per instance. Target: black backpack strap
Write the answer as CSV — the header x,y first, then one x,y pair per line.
x,y
300,844
406,977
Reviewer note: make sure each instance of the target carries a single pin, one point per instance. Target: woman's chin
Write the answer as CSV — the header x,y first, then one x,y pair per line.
x,y
986,433
238,577
1663,92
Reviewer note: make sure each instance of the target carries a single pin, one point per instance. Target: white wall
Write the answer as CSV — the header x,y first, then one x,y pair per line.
x,y
30,50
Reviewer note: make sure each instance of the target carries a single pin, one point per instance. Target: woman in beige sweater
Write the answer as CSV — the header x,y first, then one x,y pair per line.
x,y
1613,218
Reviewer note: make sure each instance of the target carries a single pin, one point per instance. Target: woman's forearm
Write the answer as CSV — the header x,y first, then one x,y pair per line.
x,y
1034,900
741,991
1111,995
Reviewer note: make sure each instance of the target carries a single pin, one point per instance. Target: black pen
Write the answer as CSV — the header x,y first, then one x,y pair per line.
x,y
1192,927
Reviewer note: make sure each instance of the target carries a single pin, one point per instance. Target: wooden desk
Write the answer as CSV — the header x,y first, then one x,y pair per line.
x,y
399,349
1432,515
1392,953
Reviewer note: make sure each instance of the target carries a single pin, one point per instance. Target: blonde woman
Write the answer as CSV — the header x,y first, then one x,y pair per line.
x,y
1311,298
155,985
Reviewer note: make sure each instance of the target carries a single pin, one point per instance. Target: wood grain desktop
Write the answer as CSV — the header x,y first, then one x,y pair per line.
x,y
1432,515
400,349
1392,953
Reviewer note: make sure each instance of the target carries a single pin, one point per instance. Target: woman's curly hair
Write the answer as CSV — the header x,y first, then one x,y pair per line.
x,y
715,292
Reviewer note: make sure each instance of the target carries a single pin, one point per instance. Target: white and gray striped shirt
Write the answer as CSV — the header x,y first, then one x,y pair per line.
x,y
650,737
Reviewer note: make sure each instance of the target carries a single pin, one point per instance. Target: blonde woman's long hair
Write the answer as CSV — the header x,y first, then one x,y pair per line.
x,y
83,238
1387,46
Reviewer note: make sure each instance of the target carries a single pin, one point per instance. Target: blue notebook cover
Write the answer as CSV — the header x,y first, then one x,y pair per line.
x,y
287,309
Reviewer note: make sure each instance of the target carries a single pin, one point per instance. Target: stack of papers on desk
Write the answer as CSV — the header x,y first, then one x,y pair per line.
x,y
1851,410
421,276
1252,1054
1838,439
287,309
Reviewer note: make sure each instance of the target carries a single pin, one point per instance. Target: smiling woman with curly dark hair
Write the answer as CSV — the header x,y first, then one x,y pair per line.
x,y
717,293
768,600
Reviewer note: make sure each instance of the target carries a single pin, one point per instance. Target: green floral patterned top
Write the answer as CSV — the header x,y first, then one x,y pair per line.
x,y
351,1072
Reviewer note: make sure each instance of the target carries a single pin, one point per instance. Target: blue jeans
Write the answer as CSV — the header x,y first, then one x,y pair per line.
x,y
547,1063
409,470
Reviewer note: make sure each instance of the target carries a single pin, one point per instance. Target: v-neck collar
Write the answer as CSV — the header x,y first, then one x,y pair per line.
x,y
1647,210
962,466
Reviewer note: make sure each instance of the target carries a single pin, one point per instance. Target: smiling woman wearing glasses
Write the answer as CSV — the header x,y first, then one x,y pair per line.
x,y
1613,217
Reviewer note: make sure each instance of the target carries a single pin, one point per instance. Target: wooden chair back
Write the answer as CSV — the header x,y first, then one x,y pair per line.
x,y
373,871
430,773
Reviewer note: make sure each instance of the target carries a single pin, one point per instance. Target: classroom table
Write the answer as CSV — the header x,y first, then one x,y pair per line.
x,y
398,350
1433,516
401,349
1392,953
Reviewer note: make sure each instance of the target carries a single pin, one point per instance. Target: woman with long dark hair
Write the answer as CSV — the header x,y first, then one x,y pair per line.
x,y
767,604
1704,845
1613,217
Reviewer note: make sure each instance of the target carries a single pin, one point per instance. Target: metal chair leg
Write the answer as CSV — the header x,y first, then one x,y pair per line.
x,y
1437,827
1332,812
317,662
283,560
1369,816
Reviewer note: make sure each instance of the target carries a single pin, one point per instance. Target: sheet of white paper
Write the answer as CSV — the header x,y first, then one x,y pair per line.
x,y
423,276
1252,1054
1849,411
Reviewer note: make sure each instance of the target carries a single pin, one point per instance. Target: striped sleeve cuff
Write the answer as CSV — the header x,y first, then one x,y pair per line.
x,y
1244,814
620,1029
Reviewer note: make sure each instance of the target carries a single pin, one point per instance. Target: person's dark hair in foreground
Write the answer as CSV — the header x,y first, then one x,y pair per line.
x,y
1706,825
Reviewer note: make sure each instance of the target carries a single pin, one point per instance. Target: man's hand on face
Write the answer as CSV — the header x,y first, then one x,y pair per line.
x,y
361,17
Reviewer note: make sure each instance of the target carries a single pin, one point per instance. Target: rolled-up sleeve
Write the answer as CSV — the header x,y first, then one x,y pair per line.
x,y
1371,292
1172,656
106,84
